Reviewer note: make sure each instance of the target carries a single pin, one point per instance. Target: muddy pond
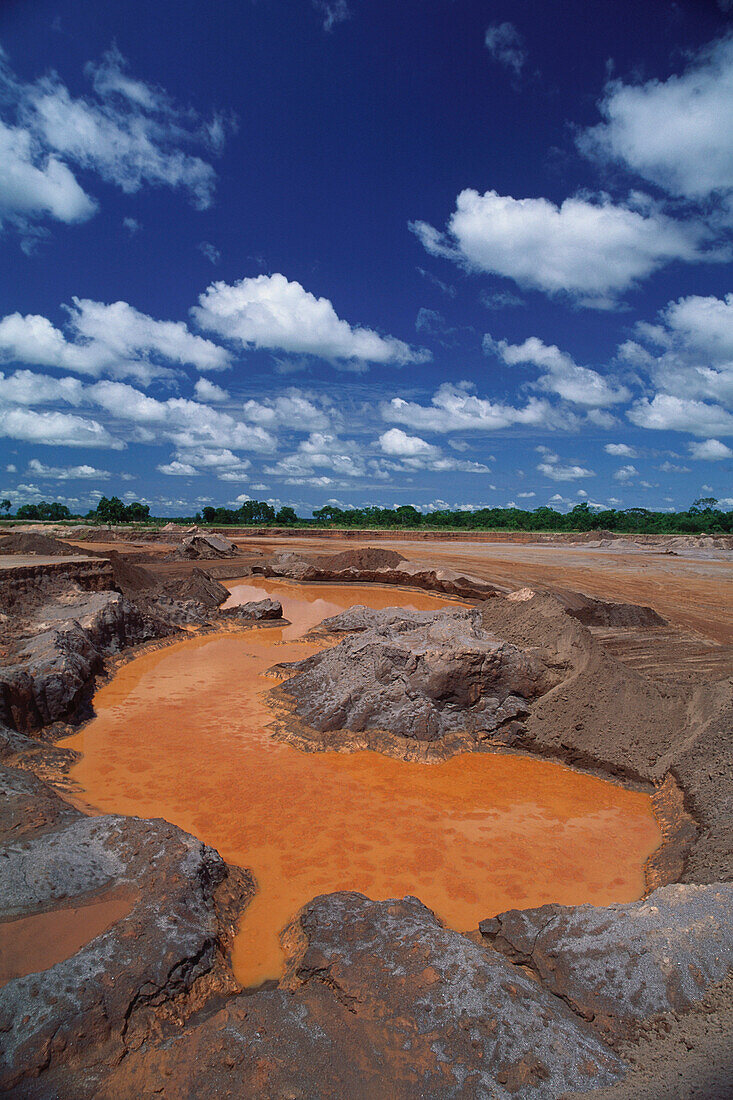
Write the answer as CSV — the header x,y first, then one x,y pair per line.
x,y
182,733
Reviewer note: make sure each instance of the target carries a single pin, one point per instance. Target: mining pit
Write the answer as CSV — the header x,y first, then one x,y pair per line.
x,y
287,819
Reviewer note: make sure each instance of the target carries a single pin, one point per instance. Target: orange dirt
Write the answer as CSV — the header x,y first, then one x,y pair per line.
x,y
32,944
181,733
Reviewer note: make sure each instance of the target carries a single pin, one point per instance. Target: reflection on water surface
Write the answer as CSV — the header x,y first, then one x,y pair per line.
x,y
181,733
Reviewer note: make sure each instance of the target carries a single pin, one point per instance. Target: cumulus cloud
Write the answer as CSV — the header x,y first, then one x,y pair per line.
x,y
268,311
114,339
620,450
665,412
675,132
208,391
54,429
591,250
397,442
454,407
711,449
552,467
130,133
212,254
25,387
626,473
506,45
178,469
562,376
187,424
35,184
67,473
291,410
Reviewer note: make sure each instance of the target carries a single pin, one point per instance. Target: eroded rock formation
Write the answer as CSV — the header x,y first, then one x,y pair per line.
x,y
418,675
376,566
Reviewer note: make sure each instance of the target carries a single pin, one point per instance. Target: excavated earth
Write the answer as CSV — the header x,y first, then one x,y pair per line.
x,y
379,998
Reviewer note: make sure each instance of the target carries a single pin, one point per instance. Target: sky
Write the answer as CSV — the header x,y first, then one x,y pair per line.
x,y
445,253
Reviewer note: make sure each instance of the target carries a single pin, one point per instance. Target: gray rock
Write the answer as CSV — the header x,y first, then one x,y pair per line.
x,y
182,902
621,965
419,678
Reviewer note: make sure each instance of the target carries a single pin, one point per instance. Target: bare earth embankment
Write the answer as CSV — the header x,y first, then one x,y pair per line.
x,y
612,660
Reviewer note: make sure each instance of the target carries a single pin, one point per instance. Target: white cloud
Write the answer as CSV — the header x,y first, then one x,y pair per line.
x,y
54,429
396,442
626,473
178,469
25,387
677,132
208,391
114,339
689,350
454,408
128,132
132,225
552,467
711,449
620,450
666,412
505,44
562,376
592,250
268,311
67,473
291,410
34,184
185,423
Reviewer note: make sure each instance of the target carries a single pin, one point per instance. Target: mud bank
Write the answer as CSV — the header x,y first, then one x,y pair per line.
x,y
380,997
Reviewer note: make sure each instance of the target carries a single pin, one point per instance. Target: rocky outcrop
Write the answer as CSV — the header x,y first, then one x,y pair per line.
x,y
418,675
183,901
207,546
254,611
378,567
380,1000
620,966
49,670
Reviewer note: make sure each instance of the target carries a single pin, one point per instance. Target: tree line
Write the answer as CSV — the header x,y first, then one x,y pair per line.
x,y
702,517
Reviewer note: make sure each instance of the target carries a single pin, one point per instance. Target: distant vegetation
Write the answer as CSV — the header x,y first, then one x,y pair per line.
x,y
702,517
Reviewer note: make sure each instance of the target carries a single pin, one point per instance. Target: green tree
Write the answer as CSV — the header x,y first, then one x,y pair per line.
x,y
287,516
5,506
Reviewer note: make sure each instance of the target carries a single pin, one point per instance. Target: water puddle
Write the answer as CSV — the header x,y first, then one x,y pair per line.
x,y
181,733
31,944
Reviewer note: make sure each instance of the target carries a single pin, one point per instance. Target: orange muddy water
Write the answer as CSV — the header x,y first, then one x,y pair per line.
x,y
35,943
182,733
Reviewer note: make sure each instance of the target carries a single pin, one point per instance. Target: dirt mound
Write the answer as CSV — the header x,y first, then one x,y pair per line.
x,y
199,586
129,578
595,612
369,557
22,542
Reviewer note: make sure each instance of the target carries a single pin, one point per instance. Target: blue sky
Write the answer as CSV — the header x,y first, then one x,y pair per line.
x,y
308,251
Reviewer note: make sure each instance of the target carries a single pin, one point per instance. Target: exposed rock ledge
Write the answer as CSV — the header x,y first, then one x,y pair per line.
x,y
419,674
381,1000
377,567
160,960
